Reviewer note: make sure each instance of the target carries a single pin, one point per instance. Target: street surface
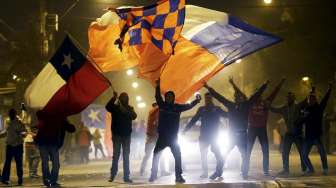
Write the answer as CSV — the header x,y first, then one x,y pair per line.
x,y
96,173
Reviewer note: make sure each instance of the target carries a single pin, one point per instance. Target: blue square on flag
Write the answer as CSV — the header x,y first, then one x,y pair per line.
x,y
94,116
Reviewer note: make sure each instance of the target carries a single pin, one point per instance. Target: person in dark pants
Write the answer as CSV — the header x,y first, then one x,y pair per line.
x,y
257,126
169,120
327,122
151,138
122,116
14,148
50,138
84,142
294,130
313,118
238,116
32,153
210,115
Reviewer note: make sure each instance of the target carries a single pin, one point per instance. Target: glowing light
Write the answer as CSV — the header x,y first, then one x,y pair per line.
x,y
138,98
189,102
239,61
14,77
130,72
223,140
197,93
267,1
135,85
305,79
141,105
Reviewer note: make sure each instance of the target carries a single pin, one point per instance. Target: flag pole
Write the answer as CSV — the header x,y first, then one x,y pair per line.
x,y
89,57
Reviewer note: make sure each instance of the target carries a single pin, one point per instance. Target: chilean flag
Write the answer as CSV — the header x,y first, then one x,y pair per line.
x,y
67,84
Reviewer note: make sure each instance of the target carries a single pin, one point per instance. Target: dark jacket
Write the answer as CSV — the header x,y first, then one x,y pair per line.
x,y
238,112
313,118
121,118
210,120
169,116
51,131
292,117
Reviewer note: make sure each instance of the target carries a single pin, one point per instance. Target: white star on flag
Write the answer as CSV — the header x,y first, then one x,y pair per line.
x,y
94,116
67,61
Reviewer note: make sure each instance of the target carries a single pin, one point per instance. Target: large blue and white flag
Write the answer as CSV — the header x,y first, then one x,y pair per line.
x,y
94,116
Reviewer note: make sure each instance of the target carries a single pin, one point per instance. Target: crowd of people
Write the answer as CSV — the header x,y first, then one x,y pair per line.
x,y
247,118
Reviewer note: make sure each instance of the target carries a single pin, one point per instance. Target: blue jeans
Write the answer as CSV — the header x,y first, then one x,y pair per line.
x,y
119,142
50,153
308,144
239,139
261,133
161,144
287,144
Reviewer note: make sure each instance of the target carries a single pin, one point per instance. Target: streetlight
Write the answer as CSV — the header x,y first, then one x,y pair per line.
x,y
14,76
130,72
238,61
138,98
305,78
141,105
135,85
268,1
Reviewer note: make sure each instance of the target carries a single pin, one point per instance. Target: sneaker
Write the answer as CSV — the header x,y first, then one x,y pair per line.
x,y
56,184
204,175
283,173
20,182
152,178
325,172
308,173
5,182
111,179
215,175
180,179
128,180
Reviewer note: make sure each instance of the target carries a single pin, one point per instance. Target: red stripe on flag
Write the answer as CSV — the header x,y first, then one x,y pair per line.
x,y
81,90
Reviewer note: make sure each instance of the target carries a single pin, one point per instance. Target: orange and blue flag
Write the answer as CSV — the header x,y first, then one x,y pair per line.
x,y
210,40
160,24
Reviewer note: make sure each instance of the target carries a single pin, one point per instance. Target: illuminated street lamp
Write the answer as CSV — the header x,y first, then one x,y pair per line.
x,y
14,77
130,72
141,105
135,85
268,1
305,79
138,98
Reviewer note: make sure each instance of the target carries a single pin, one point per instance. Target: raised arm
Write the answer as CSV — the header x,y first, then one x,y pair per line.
x,y
111,104
259,91
193,121
158,97
236,88
185,107
218,96
275,91
326,97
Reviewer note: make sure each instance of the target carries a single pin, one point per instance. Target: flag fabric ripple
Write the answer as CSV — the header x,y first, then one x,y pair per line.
x,y
67,84
210,41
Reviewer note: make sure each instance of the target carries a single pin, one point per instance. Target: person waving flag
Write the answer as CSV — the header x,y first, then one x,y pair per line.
x,y
67,84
